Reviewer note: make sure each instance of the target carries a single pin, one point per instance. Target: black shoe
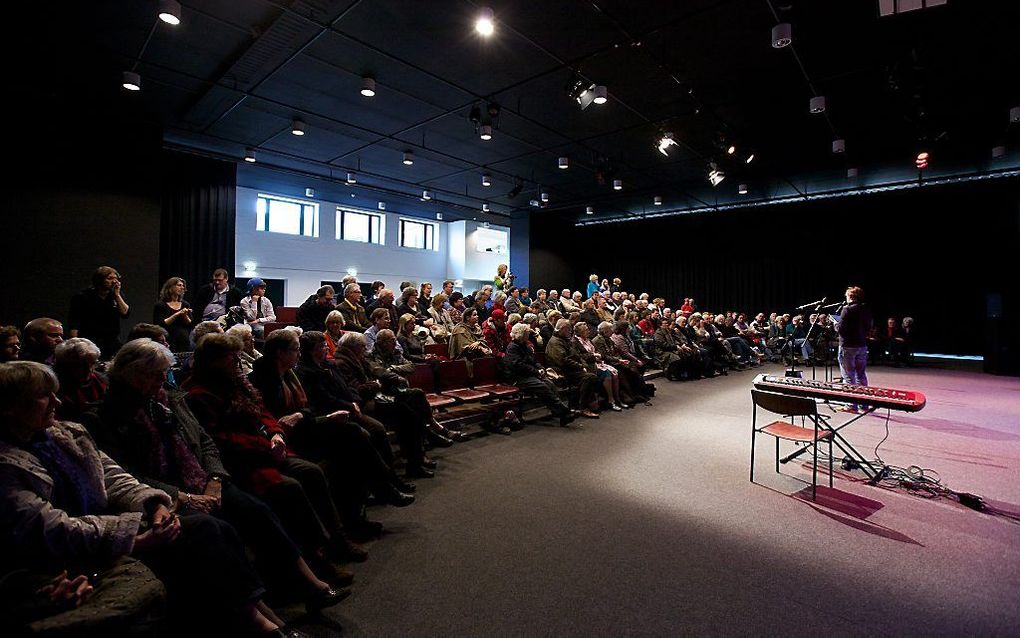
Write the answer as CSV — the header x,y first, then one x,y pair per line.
x,y
419,472
568,418
437,439
325,598
429,463
396,498
404,486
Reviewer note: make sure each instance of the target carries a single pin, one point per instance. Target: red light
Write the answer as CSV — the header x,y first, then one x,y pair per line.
x,y
922,160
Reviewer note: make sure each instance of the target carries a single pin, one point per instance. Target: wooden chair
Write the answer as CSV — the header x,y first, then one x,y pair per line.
x,y
789,406
454,382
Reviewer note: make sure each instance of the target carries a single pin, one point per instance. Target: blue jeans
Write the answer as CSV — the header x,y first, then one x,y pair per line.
x,y
852,363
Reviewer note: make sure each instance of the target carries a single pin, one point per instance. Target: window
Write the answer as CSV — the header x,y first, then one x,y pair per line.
x,y
353,225
418,234
289,216
490,240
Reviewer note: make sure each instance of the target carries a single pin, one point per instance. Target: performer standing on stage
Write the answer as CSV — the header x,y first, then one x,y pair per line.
x,y
854,324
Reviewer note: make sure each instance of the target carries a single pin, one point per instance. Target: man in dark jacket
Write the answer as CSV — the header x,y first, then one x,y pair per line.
x,y
213,300
560,355
523,370
311,315
854,325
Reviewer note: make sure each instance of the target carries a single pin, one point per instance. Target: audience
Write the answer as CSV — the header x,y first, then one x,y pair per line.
x,y
42,336
10,344
354,314
81,386
214,299
96,312
258,309
173,314
311,315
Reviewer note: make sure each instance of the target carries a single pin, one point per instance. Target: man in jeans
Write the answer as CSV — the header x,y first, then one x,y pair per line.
x,y
853,340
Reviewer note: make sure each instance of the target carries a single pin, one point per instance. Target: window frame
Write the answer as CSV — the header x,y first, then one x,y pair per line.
x,y
308,209
430,232
341,222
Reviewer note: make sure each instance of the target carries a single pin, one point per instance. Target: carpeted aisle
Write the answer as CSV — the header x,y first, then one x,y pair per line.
x,y
645,523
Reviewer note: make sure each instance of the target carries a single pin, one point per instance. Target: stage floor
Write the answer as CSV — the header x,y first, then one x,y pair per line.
x,y
644,522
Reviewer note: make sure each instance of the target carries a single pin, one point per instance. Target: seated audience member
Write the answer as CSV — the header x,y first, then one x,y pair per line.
x,y
96,312
258,309
408,341
214,299
525,298
380,321
311,315
324,433
457,308
616,285
81,387
513,301
248,354
205,328
542,299
466,341
548,327
593,287
253,446
633,388
10,344
605,373
379,401
174,314
907,346
155,436
334,330
667,352
697,360
447,290
63,502
384,300
425,296
739,346
482,305
554,300
588,314
409,303
354,314
442,322
535,338
562,357
150,331
495,332
377,287
523,370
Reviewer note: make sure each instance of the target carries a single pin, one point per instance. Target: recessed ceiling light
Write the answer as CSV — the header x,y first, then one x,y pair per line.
x,y
426,195
131,81
715,176
485,132
664,142
544,197
750,158
368,86
485,208
439,216
851,173
484,24
249,155
309,192
352,178
170,12
297,127
381,205
731,150
408,158
486,180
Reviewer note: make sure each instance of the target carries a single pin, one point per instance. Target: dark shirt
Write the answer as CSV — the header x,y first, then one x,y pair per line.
x,y
853,329
312,315
178,330
96,319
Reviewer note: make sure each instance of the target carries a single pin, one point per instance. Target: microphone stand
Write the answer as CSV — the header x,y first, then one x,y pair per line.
x,y
792,372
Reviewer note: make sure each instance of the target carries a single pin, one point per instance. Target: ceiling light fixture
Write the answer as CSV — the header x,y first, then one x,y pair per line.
x,y
750,158
1014,114
657,200
352,178
998,151
839,146
600,94
817,104
485,208
484,24
486,180
664,142
921,161
170,12
131,81
249,155
544,197
617,184
731,150
368,86
381,205
589,211
426,196
852,173
297,127
782,35
439,216
564,163
742,189
715,176
408,158
309,192
485,132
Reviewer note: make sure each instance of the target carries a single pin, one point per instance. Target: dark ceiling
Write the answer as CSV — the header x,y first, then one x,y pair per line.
x,y
235,72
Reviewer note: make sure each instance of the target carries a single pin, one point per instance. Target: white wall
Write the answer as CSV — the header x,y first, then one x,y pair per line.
x,y
305,261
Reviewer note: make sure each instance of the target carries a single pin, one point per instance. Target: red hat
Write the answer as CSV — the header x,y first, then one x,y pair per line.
x,y
498,313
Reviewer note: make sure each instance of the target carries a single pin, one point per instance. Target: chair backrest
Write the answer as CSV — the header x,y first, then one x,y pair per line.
x,y
483,370
784,404
453,375
423,378
438,349
286,314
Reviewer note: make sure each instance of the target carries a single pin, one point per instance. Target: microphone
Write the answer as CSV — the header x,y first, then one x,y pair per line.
x,y
813,303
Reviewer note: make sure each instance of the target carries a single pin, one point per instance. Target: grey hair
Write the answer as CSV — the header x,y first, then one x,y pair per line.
x,y
241,330
351,288
579,326
529,317
73,349
334,315
606,327
351,339
561,323
205,328
908,321
140,357
513,317
518,330
24,381
540,291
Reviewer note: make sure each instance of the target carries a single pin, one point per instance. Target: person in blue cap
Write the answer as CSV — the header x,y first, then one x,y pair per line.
x,y
258,310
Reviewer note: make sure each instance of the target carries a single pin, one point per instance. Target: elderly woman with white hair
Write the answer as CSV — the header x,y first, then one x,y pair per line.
x,y
525,372
205,328
82,386
606,373
564,357
249,355
65,502
633,388
156,437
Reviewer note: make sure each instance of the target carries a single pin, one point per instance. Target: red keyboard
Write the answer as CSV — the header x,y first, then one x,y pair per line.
x,y
905,400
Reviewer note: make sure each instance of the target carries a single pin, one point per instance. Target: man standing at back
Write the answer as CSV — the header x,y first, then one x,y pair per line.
x,y
214,299
854,324
96,312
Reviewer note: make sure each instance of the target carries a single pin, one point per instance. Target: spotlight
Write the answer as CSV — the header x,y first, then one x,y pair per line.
x,y
381,205
817,104
839,146
485,208
368,86
131,81
742,189
486,180
408,158
484,24
921,161
586,93
731,150
750,158
851,173
439,216
657,200
544,197
600,94
249,155
589,211
782,35
352,178
617,184
664,142
715,176
518,187
309,192
170,12
1014,114
485,132
998,151
564,162
426,196
475,114
297,127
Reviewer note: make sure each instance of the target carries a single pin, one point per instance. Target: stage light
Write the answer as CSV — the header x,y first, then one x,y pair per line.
x,y
600,94
368,86
485,208
817,104
485,132
439,216
715,176
731,150
131,81
742,189
657,200
782,35
617,184
750,158
381,205
426,196
839,146
589,211
484,24
486,180
170,12
664,142
921,161
564,162
249,155
408,158
309,192
352,178
297,127
485,224
544,197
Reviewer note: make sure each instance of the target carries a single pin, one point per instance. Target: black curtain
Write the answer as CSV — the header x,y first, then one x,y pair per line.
x,y
935,254
198,218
